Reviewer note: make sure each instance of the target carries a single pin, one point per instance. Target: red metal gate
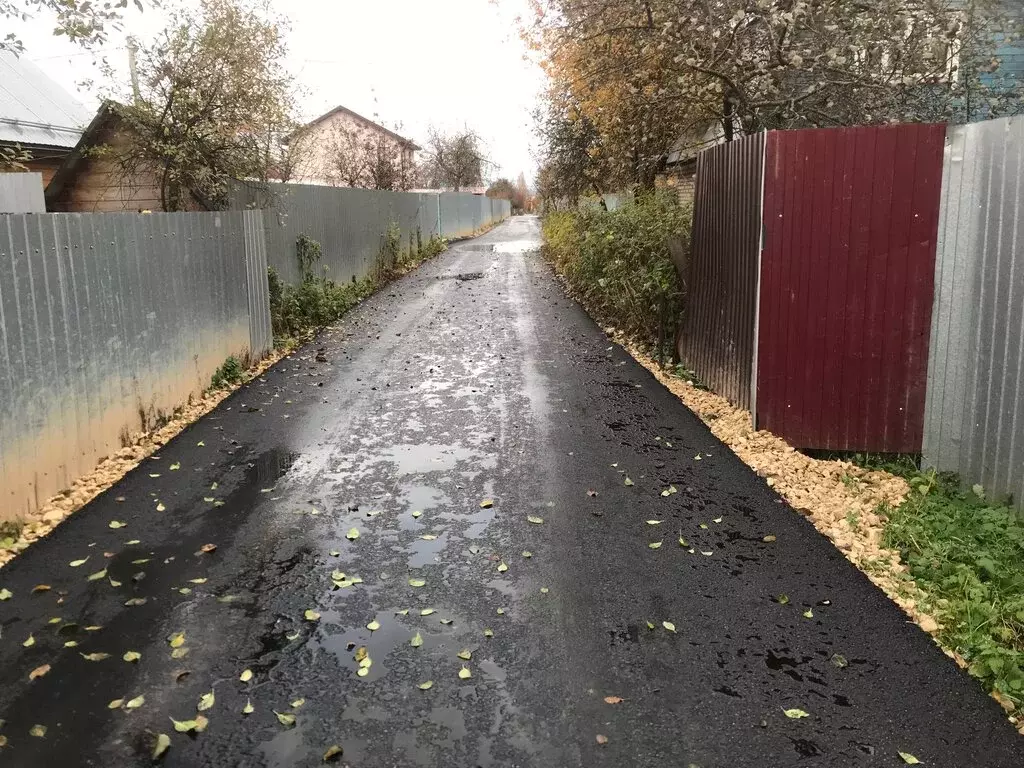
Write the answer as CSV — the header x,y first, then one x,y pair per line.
x,y
847,272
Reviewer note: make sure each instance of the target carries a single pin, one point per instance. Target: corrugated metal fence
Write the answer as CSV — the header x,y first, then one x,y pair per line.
x,y
890,307
350,224
717,338
850,217
107,322
975,402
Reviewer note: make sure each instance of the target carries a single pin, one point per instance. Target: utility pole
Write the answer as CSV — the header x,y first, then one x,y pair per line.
x,y
132,70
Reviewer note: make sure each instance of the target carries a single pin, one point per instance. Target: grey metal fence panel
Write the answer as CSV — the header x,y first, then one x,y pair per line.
x,y
21,193
261,337
717,340
974,412
108,321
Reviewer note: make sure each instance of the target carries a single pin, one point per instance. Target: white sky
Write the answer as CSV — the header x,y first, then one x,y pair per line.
x,y
416,62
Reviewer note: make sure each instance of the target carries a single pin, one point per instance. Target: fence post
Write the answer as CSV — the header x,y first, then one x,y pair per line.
x,y
440,229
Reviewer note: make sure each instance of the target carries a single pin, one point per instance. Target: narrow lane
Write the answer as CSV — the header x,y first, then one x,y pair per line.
x,y
499,460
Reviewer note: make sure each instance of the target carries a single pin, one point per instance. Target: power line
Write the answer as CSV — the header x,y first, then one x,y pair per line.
x,y
72,55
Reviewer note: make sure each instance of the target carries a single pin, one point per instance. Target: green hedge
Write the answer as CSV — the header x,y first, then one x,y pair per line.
x,y
618,264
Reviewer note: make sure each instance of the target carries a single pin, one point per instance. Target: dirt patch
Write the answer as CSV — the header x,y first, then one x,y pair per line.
x,y
113,468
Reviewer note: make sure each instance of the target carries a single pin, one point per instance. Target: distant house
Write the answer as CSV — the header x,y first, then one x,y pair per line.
x,y
37,115
94,182
336,148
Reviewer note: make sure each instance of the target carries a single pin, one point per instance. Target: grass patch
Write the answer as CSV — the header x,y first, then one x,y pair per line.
x,y
299,310
618,264
230,372
967,554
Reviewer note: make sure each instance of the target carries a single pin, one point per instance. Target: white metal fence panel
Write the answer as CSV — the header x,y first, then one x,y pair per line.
x,y
21,193
974,415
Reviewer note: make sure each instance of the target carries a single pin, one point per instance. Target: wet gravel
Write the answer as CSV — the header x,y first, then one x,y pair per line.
x,y
473,379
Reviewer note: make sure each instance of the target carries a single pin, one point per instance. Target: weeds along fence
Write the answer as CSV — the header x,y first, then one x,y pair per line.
x,y
350,224
884,286
109,322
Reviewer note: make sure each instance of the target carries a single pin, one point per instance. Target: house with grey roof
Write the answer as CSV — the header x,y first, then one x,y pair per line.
x,y
37,115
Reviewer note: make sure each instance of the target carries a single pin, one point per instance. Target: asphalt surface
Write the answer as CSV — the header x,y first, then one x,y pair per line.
x,y
473,378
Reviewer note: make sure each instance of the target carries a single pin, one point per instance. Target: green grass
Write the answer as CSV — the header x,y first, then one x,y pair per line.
x,y
967,554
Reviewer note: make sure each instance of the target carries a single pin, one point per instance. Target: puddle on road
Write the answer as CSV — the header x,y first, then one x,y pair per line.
x,y
516,246
417,459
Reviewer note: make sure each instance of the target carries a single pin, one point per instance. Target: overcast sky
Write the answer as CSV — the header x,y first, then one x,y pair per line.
x,y
416,62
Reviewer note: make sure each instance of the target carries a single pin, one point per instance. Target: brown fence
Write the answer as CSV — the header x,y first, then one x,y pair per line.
x,y
717,337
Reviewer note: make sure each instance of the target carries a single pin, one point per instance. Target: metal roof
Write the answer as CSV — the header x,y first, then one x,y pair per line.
x,y
34,110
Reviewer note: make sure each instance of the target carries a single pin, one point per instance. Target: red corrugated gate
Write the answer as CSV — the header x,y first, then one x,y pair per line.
x,y
847,271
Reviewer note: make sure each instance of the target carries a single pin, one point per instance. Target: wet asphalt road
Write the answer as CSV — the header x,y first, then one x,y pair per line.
x,y
433,396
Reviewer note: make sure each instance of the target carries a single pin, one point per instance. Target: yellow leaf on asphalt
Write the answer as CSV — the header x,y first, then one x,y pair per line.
x,y
427,611
417,640
669,626
707,553
486,503
544,590
285,718
628,481
98,575
135,601
527,553
416,513
175,466
39,731
373,626
809,614
488,633
76,563
333,751
135,703
184,726
650,625
95,656
208,548
132,656
465,654
417,582
71,644
535,519
29,641
197,581
205,701
179,653
41,588
795,714
653,522
38,672
682,542
311,615
909,759
465,674
246,675
655,545
428,537
115,524
426,686
502,567
248,709
613,699
6,594
115,704
176,640
352,534
160,507
293,635
298,703
163,741
769,538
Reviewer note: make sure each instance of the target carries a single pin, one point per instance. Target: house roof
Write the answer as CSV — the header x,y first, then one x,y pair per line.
x,y
34,110
376,126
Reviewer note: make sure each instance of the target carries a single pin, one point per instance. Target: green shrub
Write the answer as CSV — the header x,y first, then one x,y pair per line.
x,y
618,263
967,554
230,372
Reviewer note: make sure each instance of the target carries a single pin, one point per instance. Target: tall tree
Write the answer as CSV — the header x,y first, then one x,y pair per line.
x,y
215,102
454,160
632,77
82,21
